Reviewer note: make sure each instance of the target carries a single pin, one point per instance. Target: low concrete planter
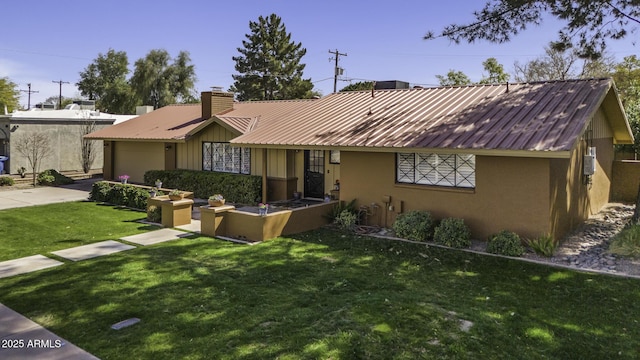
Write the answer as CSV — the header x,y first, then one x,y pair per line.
x,y
174,213
226,221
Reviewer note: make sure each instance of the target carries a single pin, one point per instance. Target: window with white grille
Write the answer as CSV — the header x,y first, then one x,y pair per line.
x,y
452,170
223,157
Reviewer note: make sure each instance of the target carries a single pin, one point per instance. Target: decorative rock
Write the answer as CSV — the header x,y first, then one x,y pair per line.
x,y
588,245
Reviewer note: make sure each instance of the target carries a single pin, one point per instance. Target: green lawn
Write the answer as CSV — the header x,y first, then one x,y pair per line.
x,y
323,295
41,229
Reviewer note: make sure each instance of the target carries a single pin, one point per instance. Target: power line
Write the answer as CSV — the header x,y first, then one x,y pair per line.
x,y
29,92
60,82
338,71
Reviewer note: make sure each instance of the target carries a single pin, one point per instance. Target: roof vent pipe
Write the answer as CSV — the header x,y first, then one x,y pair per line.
x,y
507,87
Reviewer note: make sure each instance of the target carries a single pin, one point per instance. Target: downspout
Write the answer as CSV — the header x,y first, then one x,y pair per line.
x,y
264,176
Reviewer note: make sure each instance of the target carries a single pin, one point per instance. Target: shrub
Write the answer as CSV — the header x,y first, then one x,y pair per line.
x,y
154,214
505,243
627,242
338,208
6,181
45,178
236,188
120,194
543,245
414,225
347,220
53,177
452,232
100,191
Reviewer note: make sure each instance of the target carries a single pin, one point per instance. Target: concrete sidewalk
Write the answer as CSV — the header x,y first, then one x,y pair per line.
x,y
24,339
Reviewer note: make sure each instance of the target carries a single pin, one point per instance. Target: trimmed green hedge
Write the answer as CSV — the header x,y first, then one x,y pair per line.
x,y
120,194
236,188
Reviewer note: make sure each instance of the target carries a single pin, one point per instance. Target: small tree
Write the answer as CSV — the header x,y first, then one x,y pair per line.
x,y
35,147
453,78
87,147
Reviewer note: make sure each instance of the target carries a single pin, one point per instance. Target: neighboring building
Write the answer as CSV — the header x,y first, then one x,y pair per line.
x,y
64,129
532,158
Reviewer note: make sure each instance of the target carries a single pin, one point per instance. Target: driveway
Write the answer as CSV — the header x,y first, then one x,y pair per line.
x,y
77,191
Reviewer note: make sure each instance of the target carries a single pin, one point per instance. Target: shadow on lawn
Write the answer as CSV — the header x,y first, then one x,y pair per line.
x,y
320,295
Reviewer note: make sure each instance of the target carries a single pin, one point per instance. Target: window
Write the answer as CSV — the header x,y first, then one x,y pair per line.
x,y
334,157
437,169
223,157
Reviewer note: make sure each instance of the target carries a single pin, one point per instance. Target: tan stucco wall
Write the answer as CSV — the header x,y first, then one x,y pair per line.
x,y
574,196
625,180
65,139
136,158
510,193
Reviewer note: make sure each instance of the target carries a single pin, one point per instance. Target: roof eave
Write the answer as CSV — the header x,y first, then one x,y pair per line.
x,y
555,154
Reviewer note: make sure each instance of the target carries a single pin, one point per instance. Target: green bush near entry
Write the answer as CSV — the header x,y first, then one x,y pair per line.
x,y
120,194
236,188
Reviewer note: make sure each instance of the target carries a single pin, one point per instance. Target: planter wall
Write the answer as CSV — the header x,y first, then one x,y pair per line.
x,y
225,221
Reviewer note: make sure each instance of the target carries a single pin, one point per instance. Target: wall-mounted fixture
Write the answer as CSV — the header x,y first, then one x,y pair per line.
x,y
590,161
167,148
14,128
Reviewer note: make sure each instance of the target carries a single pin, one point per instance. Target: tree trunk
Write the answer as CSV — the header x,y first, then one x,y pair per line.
x,y
636,213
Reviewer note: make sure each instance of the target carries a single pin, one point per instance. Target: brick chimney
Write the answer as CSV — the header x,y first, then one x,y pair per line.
x,y
215,101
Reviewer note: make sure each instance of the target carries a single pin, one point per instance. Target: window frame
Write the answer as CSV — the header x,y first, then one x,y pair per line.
x,y
332,155
220,156
443,170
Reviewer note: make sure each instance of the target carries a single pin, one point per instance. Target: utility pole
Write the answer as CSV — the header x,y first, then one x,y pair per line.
x,y
29,92
337,70
60,82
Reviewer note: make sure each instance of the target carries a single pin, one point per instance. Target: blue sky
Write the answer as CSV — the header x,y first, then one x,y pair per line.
x,y
45,41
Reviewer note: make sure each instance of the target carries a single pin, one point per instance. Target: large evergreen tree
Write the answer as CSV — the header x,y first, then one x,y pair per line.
x,y
269,64
9,95
159,80
589,23
105,80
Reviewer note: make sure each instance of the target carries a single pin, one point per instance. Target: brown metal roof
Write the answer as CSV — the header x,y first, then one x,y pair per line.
x,y
171,122
545,116
252,115
178,122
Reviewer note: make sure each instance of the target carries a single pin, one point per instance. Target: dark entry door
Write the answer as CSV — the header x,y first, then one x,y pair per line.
x,y
314,173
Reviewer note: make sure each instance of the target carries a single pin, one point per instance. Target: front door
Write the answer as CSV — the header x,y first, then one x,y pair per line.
x,y
314,173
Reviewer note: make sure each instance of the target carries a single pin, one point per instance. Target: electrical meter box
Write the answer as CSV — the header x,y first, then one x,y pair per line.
x,y
590,161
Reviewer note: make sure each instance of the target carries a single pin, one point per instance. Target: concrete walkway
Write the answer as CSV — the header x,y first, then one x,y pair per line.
x,y
26,265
